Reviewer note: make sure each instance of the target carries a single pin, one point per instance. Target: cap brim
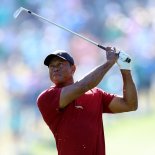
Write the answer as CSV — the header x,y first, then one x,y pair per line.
x,y
50,57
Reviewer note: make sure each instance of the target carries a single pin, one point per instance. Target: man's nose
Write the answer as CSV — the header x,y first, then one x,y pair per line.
x,y
55,69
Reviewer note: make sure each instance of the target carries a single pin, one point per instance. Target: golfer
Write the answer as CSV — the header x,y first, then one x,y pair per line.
x,y
73,110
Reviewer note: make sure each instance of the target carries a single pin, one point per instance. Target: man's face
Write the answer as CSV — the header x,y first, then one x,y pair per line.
x,y
60,71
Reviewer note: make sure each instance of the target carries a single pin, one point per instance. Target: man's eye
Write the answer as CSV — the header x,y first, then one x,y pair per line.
x,y
56,66
60,64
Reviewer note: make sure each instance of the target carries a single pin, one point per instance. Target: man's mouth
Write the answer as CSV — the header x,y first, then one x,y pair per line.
x,y
55,74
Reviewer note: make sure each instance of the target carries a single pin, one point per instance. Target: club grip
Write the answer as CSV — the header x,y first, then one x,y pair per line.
x,y
102,47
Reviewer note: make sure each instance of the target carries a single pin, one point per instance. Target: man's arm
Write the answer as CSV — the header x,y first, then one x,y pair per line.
x,y
72,92
129,101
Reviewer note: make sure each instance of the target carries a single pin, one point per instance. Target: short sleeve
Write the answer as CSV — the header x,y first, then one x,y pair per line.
x,y
106,99
48,104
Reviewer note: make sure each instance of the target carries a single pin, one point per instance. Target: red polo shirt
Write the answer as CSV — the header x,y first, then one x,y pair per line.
x,y
78,128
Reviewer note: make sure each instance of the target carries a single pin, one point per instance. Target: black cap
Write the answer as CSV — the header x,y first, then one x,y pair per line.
x,y
61,54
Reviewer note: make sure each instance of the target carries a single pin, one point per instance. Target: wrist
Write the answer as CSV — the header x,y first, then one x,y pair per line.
x,y
126,74
124,71
111,62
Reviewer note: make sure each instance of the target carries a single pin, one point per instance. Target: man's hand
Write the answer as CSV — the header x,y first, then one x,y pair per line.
x,y
111,54
122,61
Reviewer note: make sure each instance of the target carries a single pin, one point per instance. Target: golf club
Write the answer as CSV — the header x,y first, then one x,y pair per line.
x,y
21,9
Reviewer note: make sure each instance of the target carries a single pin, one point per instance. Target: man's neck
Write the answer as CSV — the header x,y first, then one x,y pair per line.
x,y
60,85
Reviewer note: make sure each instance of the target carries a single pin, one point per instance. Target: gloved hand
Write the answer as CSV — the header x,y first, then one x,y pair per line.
x,y
124,60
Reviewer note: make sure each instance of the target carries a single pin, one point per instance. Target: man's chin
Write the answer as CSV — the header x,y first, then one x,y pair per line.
x,y
57,82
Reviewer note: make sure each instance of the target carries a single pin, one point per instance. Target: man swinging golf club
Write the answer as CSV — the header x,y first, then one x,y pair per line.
x,y
73,110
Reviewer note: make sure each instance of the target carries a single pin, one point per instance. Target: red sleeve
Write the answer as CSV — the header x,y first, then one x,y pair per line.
x,y
48,104
106,99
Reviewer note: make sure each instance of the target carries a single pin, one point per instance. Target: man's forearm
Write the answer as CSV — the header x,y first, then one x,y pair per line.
x,y
129,90
94,78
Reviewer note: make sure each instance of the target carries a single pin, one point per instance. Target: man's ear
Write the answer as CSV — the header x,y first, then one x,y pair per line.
x,y
73,69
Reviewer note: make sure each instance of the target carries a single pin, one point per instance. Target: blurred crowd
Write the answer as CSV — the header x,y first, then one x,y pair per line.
x,y
25,42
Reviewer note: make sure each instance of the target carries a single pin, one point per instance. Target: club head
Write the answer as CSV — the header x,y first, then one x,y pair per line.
x,y
17,12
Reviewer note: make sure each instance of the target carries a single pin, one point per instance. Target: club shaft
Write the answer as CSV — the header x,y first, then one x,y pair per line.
x,y
62,27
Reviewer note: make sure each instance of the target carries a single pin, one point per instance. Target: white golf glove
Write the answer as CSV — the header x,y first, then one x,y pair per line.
x,y
124,60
